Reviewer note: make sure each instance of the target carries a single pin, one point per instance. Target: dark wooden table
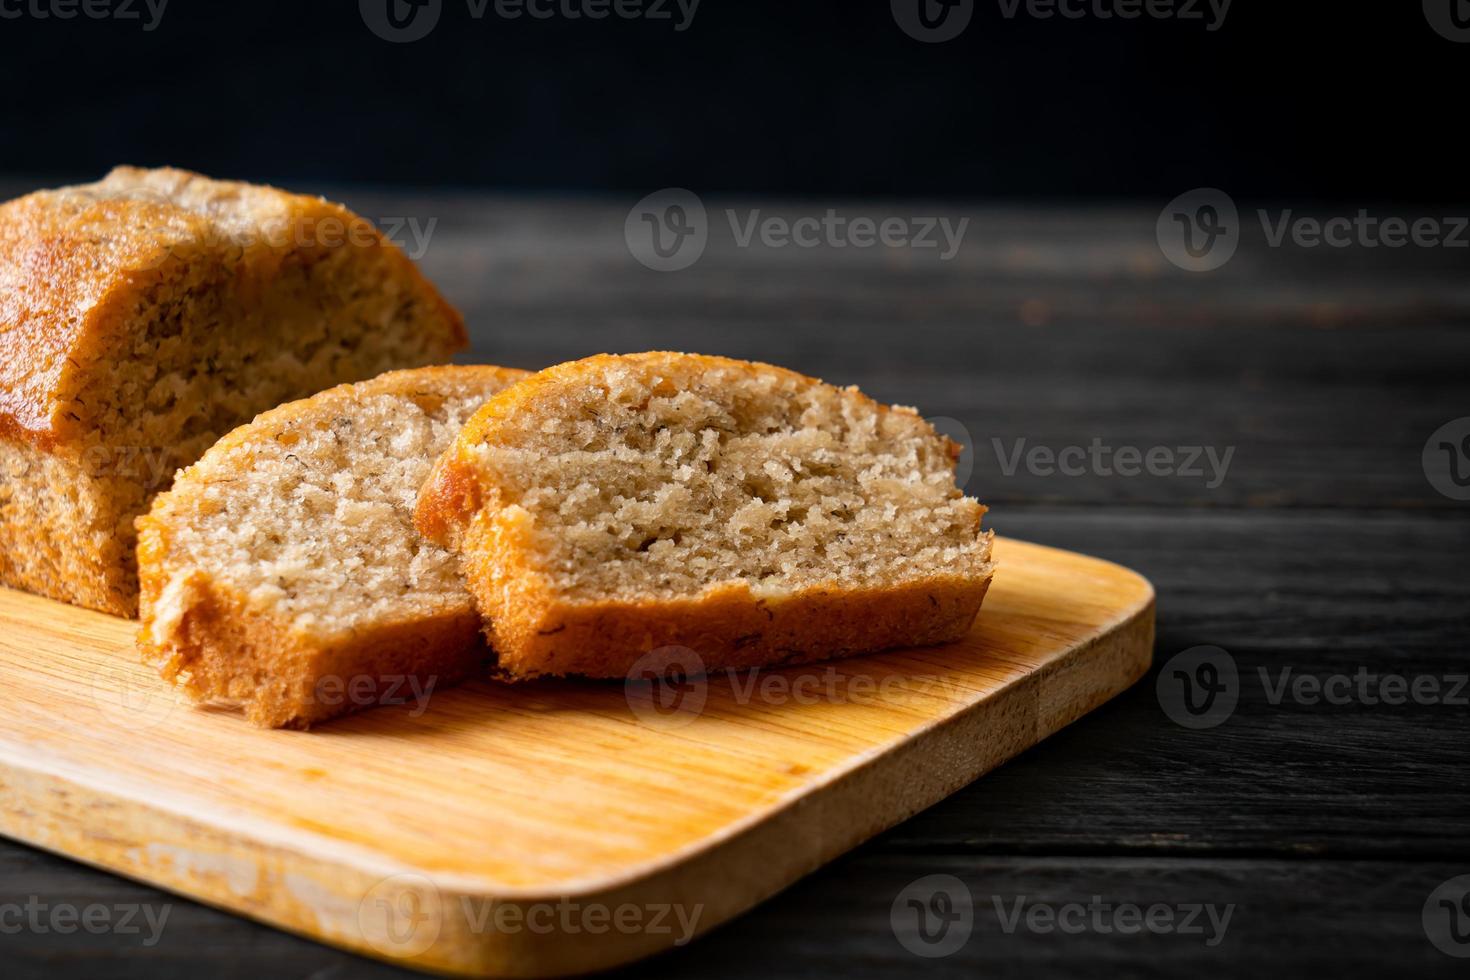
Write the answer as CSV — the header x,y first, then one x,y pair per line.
x,y
1325,549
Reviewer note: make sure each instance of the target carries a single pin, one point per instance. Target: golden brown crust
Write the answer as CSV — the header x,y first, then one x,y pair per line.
x,y
72,260
75,265
223,652
206,637
537,632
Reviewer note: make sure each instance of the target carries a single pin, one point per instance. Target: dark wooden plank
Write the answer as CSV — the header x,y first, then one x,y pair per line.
x,y
1339,919
569,262
193,941
1355,918
1320,594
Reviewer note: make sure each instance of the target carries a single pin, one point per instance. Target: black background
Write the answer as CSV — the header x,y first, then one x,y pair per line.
x,y
1296,101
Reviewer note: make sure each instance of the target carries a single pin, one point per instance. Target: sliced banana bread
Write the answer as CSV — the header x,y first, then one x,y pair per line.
x,y
615,505
282,571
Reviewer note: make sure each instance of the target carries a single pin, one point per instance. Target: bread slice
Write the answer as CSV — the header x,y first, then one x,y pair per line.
x,y
609,507
144,316
282,572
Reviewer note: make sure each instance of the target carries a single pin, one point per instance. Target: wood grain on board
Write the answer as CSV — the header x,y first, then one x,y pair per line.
x,y
401,831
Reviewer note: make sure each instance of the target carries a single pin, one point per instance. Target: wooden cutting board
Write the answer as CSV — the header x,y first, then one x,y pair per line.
x,y
551,828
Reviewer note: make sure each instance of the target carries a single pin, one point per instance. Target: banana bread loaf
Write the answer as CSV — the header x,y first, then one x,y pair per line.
x,y
144,316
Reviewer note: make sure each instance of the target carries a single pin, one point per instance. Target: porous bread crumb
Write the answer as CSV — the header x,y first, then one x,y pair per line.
x,y
311,518
784,487
297,530
608,493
